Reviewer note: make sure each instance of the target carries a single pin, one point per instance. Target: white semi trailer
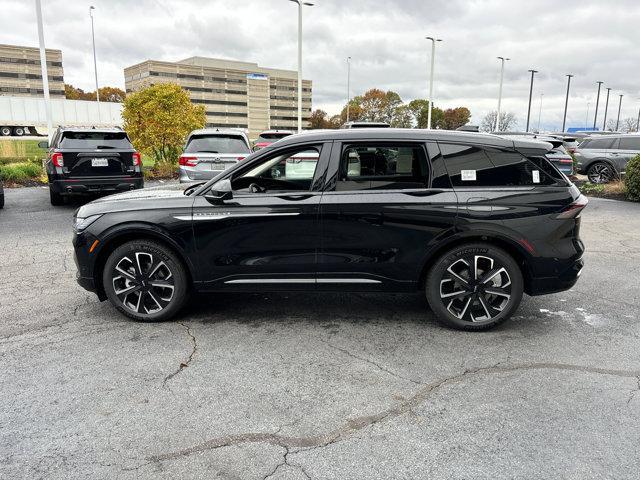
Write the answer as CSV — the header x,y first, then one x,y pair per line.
x,y
27,115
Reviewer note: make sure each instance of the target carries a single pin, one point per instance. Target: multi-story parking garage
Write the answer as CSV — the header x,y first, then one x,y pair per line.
x,y
20,72
235,94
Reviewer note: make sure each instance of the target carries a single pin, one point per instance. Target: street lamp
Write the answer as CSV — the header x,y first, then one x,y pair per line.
x,y
43,69
300,4
586,117
433,55
533,72
502,60
619,108
540,111
348,85
595,117
566,102
95,64
638,122
606,109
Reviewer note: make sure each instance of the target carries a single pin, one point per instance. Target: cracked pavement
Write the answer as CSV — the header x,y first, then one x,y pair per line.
x,y
326,386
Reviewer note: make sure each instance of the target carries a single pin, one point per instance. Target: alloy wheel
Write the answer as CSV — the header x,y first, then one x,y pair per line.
x,y
475,288
600,173
142,283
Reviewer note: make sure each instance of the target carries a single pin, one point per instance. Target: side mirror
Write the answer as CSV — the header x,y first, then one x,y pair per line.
x,y
44,145
220,192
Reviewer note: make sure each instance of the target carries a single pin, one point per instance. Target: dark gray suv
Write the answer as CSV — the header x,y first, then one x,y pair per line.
x,y
604,158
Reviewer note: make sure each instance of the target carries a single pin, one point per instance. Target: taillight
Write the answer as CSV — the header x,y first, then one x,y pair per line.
x,y
241,158
573,210
566,160
187,161
57,160
137,160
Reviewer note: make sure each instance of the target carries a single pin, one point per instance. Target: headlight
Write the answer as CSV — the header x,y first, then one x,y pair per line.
x,y
79,224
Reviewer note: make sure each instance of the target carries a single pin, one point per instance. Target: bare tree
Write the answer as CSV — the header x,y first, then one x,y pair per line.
x,y
507,122
629,125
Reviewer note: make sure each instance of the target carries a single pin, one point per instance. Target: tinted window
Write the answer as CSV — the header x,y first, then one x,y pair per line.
x,y
598,143
376,166
93,140
271,137
467,166
629,143
217,144
439,175
513,170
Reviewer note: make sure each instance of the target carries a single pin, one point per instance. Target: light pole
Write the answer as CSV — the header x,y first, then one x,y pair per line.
x,y
619,108
43,69
586,117
566,102
540,111
606,109
95,64
502,60
638,122
300,4
348,86
533,72
433,56
595,117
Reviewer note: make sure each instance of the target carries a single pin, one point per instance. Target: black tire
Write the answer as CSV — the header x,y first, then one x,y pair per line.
x,y
471,301
56,198
1,201
5,131
145,281
601,172
18,131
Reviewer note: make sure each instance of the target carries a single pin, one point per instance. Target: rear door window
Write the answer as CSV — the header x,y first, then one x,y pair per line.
x,y
604,143
217,144
630,143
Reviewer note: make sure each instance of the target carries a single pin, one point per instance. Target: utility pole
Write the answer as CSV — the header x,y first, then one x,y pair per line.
x,y
502,60
300,4
566,102
606,109
540,111
619,108
533,72
43,69
95,63
433,56
595,117
348,86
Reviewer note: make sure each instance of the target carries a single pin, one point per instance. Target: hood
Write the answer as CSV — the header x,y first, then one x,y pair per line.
x,y
146,198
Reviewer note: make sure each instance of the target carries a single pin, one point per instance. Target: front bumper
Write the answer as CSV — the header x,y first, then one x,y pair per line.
x,y
85,263
83,186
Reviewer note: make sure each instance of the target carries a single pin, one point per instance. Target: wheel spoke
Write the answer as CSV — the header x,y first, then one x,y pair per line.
x,y
127,290
143,254
495,291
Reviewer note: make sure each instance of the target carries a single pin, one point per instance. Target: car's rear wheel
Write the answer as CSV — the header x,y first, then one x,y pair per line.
x,y
55,198
601,172
474,287
145,281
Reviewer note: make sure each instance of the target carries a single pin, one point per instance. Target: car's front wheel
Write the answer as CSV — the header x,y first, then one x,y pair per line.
x,y
601,172
145,280
474,287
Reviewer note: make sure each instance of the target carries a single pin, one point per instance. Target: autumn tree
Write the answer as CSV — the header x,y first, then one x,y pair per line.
x,y
107,94
453,118
159,118
319,120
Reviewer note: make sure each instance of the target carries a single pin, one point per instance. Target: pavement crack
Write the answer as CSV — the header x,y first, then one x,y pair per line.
x,y
634,391
353,425
187,362
371,362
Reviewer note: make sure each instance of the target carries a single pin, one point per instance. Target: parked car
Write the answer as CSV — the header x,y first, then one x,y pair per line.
x,y
604,158
470,220
570,142
90,161
558,155
365,125
209,151
1,195
270,136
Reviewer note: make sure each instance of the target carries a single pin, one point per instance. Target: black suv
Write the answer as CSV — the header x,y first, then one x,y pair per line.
x,y
90,161
471,220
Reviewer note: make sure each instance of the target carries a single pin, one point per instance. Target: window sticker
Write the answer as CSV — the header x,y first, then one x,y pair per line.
x,y
468,175
536,176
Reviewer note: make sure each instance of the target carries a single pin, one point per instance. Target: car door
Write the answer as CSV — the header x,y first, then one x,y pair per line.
x,y
386,204
267,236
628,148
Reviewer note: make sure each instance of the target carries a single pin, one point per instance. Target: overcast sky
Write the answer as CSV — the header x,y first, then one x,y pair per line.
x,y
593,39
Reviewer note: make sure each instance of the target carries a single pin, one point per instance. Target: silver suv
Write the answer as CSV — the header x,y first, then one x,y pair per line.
x,y
604,157
209,151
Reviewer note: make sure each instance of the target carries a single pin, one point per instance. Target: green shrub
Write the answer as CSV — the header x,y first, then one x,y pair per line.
x,y
592,188
20,172
632,179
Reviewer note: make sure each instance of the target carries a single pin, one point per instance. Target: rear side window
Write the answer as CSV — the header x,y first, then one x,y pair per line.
x,y
471,166
217,144
598,143
382,166
95,140
630,143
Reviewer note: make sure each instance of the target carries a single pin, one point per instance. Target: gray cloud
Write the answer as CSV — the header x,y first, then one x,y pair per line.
x,y
593,40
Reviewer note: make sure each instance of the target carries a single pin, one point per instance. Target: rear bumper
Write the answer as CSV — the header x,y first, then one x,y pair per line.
x,y
194,174
559,283
80,186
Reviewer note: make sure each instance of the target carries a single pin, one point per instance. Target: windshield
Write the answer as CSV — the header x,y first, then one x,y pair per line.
x,y
94,140
217,144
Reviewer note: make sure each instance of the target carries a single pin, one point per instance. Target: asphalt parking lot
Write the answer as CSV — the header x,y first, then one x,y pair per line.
x,y
315,386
